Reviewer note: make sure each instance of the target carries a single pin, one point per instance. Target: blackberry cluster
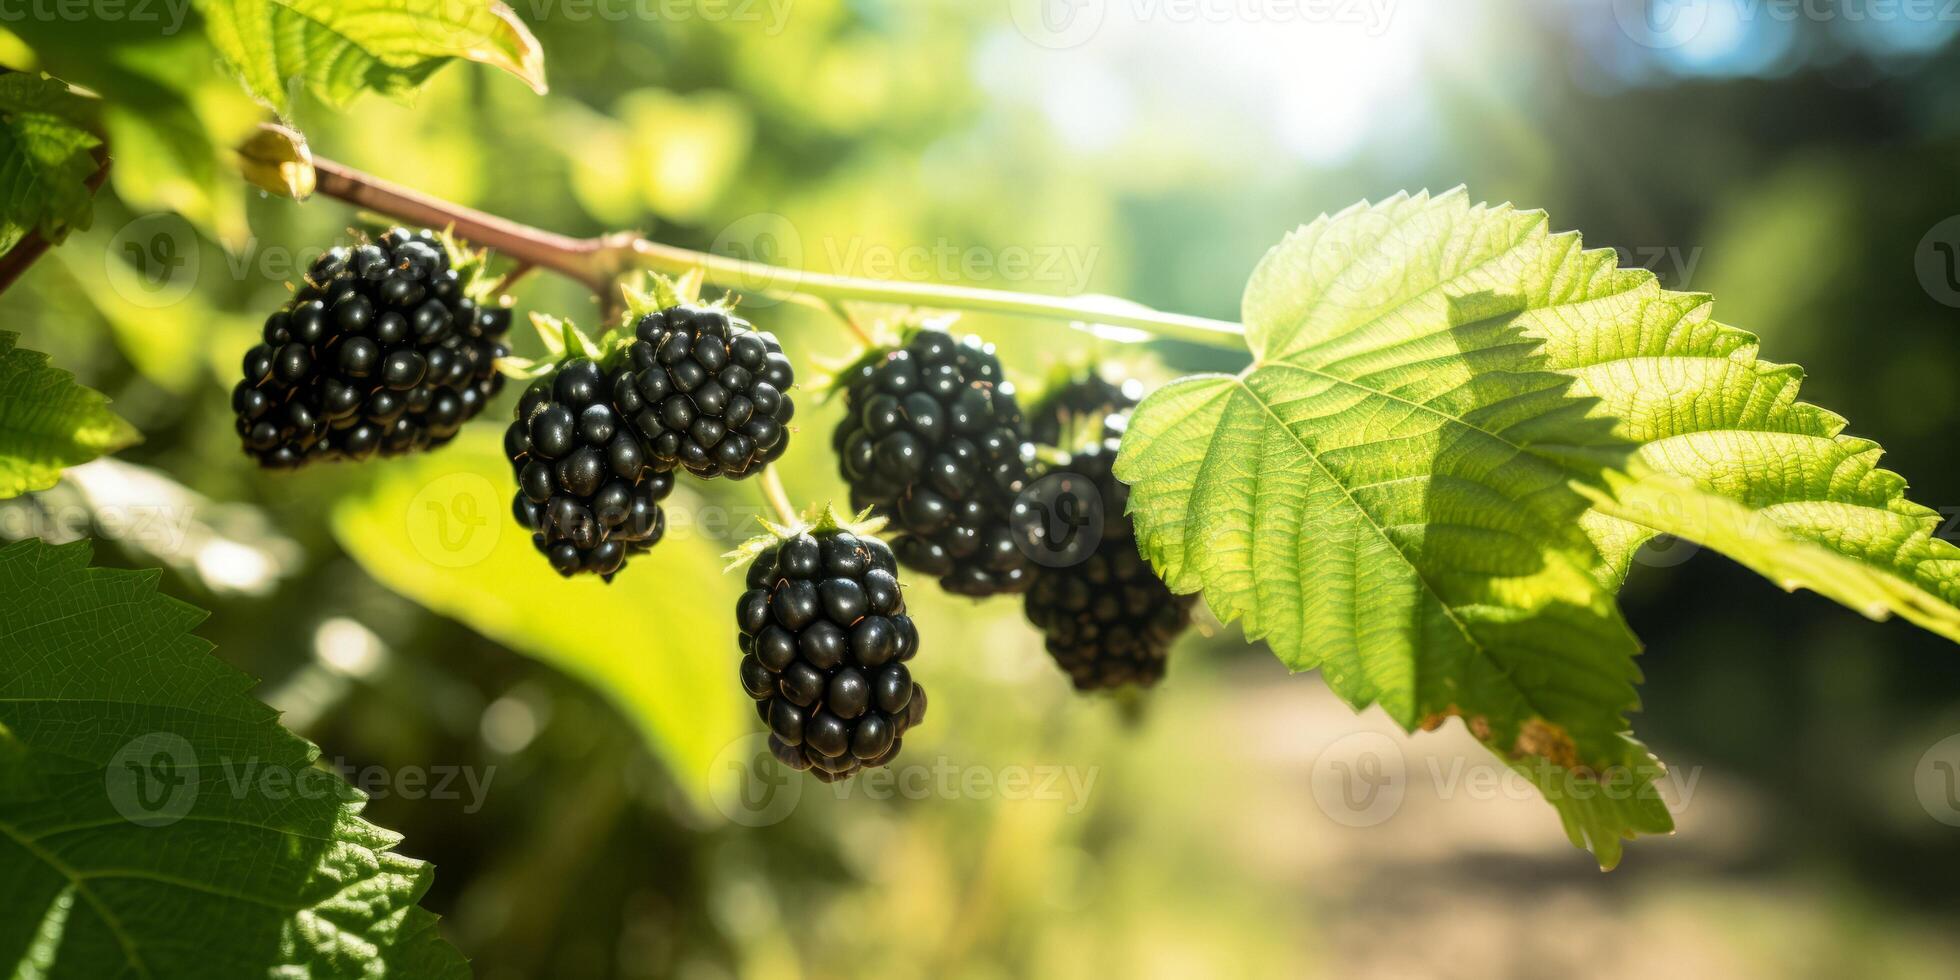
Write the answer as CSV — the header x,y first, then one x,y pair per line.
x,y
588,489
1089,398
715,391
380,352
1108,620
824,640
934,440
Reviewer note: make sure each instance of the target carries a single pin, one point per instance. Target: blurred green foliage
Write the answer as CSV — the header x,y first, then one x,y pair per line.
x,y
849,132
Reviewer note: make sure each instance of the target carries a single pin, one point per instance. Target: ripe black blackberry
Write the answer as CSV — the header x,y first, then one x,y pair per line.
x,y
386,349
934,441
1079,402
716,391
588,490
824,641
1108,620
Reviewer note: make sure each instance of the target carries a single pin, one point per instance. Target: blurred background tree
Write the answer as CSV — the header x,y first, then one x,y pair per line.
x,y
1793,166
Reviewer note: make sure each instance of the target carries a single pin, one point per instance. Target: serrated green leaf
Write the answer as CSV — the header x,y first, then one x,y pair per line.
x,y
1427,483
170,113
1786,492
45,159
341,48
48,422
155,820
438,530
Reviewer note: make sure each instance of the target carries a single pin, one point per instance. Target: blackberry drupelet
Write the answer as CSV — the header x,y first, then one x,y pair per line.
x,y
1062,412
824,641
715,391
588,490
1108,620
933,440
383,351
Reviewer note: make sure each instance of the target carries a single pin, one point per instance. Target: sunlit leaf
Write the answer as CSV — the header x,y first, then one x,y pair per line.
x,y
48,422
658,640
155,820
170,114
341,48
45,162
1456,429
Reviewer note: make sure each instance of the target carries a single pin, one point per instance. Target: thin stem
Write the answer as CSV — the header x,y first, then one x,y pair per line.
x,y
598,262
769,280
837,310
33,245
510,278
772,491
580,259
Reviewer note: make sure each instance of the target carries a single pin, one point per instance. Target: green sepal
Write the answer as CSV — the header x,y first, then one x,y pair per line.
x,y
524,368
817,519
472,267
886,336
656,292
562,339
652,293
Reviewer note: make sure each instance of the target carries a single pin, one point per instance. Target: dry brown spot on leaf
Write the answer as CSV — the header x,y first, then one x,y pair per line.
x,y
1547,741
1477,724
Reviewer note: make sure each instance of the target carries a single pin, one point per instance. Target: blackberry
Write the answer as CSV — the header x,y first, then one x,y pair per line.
x,y
382,351
1108,620
588,490
1089,399
824,641
715,391
934,441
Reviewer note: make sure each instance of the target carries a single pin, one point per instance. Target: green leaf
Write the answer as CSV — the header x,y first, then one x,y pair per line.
x,y
1456,430
438,530
341,48
48,422
1784,490
45,163
170,113
155,820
